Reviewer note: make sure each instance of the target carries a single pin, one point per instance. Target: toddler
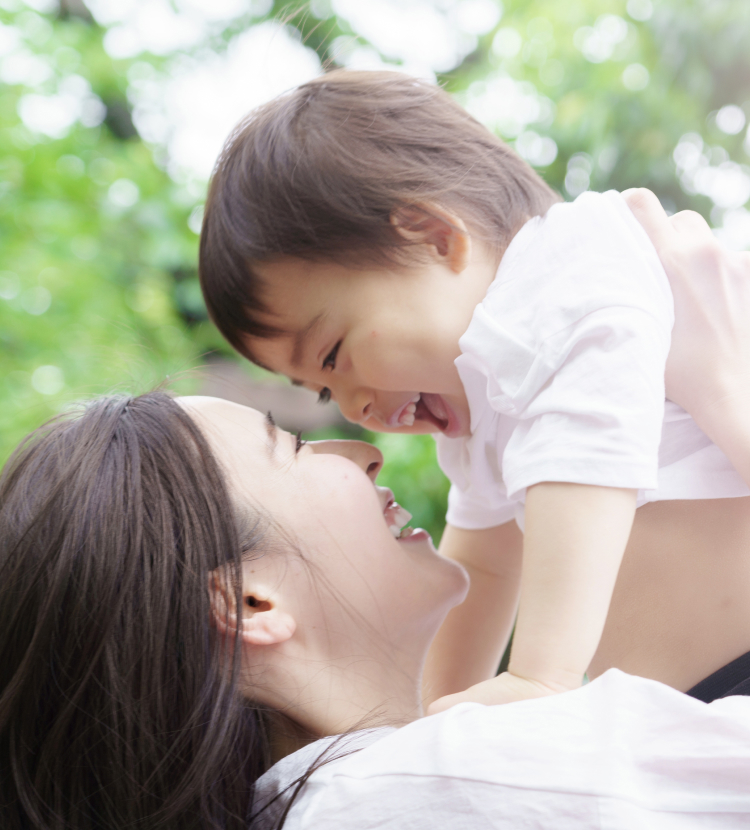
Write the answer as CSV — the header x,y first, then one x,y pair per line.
x,y
367,238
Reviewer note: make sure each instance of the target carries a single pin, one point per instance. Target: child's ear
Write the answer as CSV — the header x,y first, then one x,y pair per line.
x,y
260,621
432,225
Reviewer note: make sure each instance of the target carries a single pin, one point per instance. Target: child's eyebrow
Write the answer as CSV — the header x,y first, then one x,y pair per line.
x,y
303,335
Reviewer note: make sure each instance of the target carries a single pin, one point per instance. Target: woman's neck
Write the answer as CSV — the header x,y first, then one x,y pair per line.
x,y
360,693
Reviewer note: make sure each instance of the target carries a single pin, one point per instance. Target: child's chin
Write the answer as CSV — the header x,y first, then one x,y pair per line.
x,y
422,428
417,428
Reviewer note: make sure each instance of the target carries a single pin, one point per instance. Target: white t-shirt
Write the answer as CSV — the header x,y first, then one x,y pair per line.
x,y
620,753
563,367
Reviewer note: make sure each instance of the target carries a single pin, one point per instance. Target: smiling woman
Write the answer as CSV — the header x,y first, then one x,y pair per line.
x,y
183,589
189,594
322,495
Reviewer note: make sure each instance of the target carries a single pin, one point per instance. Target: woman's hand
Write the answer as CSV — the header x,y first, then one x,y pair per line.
x,y
710,355
505,688
708,369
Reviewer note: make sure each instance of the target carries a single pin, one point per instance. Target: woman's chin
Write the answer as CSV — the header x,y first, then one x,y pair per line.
x,y
419,541
417,535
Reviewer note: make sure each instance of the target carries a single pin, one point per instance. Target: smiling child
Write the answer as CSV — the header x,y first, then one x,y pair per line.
x,y
365,237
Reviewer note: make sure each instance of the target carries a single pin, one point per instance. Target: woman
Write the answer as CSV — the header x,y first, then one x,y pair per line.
x,y
188,594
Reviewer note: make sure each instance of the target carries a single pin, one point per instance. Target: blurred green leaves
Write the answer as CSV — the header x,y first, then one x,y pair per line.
x,y
98,244
92,232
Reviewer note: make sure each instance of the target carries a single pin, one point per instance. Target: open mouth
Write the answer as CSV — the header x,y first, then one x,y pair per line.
x,y
397,519
422,407
432,408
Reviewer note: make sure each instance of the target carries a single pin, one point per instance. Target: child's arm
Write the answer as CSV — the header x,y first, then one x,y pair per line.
x,y
471,641
575,538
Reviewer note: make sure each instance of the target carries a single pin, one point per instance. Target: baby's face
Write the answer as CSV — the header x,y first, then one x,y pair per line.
x,y
379,342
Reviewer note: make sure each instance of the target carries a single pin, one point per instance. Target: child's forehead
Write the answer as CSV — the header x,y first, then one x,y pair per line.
x,y
297,295
292,321
293,293
294,271
270,353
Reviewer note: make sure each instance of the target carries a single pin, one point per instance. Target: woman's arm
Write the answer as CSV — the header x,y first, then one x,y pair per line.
x,y
708,370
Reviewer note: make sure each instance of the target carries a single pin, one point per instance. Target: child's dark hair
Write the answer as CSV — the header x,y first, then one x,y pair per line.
x,y
318,172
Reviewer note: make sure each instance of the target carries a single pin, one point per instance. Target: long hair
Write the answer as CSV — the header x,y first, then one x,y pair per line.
x,y
118,704
318,172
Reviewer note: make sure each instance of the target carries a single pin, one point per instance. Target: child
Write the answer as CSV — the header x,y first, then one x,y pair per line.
x,y
367,238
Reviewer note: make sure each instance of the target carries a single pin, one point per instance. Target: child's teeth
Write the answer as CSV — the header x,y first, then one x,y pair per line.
x,y
407,416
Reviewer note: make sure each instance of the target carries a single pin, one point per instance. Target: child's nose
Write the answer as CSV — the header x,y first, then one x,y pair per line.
x,y
355,406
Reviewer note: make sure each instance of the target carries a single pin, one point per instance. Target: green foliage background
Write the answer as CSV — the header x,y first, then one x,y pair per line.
x,y
98,293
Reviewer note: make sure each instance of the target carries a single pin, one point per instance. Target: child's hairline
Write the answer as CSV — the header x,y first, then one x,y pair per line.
x,y
243,335
263,331
258,330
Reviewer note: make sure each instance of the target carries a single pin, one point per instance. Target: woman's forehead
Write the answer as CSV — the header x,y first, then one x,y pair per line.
x,y
219,408
224,421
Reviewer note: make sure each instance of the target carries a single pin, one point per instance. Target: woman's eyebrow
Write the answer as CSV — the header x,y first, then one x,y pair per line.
x,y
271,432
273,436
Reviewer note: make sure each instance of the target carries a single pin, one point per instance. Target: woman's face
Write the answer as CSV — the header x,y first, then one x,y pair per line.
x,y
353,573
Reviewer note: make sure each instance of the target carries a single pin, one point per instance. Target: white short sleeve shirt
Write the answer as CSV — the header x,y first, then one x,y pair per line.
x,y
622,753
563,367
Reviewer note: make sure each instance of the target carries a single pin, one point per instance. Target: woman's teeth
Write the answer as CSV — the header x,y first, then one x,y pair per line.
x,y
406,418
397,518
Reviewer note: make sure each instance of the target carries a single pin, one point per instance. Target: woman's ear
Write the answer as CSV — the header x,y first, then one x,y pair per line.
x,y
431,225
260,621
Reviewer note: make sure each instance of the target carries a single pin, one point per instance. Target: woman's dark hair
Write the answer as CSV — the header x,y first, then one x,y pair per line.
x,y
317,174
118,703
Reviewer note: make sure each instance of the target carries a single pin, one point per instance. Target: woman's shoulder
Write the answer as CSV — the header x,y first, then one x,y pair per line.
x,y
620,739
279,785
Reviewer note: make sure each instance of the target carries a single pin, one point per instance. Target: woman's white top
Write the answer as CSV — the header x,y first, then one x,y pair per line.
x,y
563,367
622,753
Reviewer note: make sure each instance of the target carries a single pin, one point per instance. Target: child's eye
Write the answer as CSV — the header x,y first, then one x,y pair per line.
x,y
324,395
300,443
330,361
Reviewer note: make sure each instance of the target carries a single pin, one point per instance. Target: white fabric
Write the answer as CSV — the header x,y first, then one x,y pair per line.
x,y
563,367
620,753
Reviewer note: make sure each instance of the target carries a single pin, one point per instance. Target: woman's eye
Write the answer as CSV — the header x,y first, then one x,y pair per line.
x,y
324,395
330,361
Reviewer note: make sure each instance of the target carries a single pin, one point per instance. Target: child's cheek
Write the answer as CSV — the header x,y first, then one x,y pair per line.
x,y
380,363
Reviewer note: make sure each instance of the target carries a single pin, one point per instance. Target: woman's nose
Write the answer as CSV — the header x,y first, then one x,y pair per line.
x,y
365,455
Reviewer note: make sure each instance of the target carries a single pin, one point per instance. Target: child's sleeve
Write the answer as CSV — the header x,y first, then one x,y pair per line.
x,y
571,344
477,498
